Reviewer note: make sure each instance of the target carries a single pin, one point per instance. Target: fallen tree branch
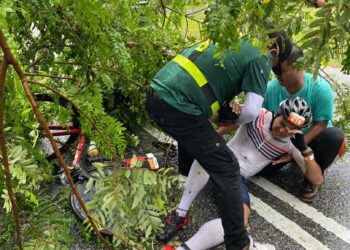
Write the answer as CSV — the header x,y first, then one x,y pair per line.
x,y
164,12
106,69
179,13
5,161
51,76
11,60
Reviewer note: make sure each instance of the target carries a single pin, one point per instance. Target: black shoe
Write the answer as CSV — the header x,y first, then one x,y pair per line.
x,y
308,192
173,224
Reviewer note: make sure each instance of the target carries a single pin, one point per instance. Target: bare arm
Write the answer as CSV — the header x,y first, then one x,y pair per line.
x,y
226,129
310,167
316,129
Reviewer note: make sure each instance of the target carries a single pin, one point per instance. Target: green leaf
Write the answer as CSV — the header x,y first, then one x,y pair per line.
x,y
16,153
148,231
89,185
311,34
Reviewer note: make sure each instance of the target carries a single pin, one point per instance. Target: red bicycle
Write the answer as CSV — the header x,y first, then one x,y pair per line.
x,y
63,123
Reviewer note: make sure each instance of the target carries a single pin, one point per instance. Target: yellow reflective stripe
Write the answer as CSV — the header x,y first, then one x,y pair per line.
x,y
215,107
203,46
191,69
195,72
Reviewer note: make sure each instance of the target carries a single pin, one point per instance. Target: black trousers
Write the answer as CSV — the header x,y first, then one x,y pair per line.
x,y
198,139
325,146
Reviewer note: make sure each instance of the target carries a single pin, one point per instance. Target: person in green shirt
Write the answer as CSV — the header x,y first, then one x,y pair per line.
x,y
326,141
191,89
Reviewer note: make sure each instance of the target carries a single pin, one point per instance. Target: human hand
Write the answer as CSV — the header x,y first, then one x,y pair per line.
x,y
317,3
227,129
298,141
223,123
226,113
236,108
284,158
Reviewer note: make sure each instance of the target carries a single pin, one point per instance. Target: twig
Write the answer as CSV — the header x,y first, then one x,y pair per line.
x,y
164,12
196,11
122,238
51,76
5,162
186,28
38,60
11,60
106,69
179,13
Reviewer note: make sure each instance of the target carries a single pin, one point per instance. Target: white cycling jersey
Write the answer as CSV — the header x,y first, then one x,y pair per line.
x,y
255,148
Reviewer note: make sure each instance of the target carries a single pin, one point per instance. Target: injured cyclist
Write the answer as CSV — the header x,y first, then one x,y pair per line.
x,y
256,144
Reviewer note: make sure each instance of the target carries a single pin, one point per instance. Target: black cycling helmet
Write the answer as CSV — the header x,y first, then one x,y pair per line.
x,y
296,110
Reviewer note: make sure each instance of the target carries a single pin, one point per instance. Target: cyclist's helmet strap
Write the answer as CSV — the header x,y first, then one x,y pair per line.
x,y
298,106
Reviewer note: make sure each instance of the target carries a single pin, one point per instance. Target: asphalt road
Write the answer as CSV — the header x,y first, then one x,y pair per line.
x,y
279,218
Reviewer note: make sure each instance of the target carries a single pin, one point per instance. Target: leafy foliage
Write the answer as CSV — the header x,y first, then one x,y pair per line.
x,y
94,54
48,226
25,172
323,34
102,55
342,104
101,46
130,201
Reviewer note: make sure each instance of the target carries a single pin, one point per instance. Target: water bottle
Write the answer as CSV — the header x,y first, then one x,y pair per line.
x,y
92,150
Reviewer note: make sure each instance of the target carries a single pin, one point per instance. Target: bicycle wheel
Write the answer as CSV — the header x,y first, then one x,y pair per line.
x,y
63,123
86,196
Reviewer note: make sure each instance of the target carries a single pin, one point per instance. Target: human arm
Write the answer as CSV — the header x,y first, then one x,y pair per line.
x,y
317,3
304,157
311,169
284,158
251,108
227,129
315,129
247,113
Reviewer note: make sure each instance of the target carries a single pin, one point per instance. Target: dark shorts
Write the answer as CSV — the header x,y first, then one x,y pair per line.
x,y
244,190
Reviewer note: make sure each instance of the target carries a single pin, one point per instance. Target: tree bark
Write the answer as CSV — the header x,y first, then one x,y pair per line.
x,y
5,162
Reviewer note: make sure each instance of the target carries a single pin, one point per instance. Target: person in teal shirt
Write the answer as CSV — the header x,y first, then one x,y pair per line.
x,y
326,141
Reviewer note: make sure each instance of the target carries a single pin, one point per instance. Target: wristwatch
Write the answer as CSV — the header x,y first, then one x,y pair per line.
x,y
307,152
309,158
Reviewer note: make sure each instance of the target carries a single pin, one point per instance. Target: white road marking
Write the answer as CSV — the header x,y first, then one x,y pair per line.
x,y
327,223
287,226
160,136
